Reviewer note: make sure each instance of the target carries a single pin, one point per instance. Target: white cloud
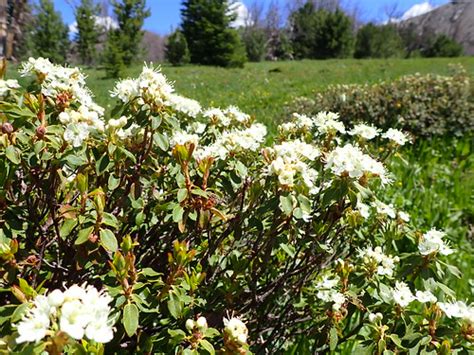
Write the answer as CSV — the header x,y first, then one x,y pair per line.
x,y
106,23
242,13
417,10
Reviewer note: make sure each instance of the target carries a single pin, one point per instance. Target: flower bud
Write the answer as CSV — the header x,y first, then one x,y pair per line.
x,y
40,132
7,128
201,323
190,325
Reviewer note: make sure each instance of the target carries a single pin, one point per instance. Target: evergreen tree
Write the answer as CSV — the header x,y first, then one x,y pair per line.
x,y
123,43
177,51
87,35
206,25
319,33
255,41
443,46
50,36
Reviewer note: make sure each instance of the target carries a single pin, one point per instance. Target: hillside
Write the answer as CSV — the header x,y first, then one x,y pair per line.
x,y
454,19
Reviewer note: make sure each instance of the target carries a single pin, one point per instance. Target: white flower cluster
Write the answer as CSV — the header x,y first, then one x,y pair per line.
x,y
151,87
458,309
291,159
7,85
328,122
56,79
236,330
376,259
184,105
79,124
298,122
351,161
403,296
396,136
182,137
234,142
226,117
78,312
328,293
432,242
367,132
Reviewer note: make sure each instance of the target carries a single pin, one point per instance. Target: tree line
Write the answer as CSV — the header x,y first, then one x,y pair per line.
x,y
208,34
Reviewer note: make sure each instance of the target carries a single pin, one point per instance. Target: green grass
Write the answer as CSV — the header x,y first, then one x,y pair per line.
x,y
263,89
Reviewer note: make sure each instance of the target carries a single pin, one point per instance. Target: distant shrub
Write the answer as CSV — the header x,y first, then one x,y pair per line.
x,y
255,41
425,105
177,51
444,46
378,42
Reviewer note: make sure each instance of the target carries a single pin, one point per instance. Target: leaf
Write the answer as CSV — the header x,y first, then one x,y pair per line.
x,y
108,240
13,154
19,312
333,339
207,346
177,213
286,204
83,235
161,141
130,319
175,306
182,194
102,165
66,228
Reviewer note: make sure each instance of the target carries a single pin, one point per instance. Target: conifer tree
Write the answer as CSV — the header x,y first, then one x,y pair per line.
x,y
207,27
87,35
177,51
50,36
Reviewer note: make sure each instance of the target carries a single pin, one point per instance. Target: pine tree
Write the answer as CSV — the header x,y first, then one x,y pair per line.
x,y
177,51
123,43
206,25
87,35
50,36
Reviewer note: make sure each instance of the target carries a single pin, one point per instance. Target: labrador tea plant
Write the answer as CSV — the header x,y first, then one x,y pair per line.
x,y
172,228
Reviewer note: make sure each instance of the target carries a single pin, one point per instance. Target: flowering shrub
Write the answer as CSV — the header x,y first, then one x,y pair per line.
x,y
424,105
172,228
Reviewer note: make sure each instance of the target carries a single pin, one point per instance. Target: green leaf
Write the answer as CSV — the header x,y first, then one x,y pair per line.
x,y
177,213
130,319
175,305
19,312
333,339
83,235
207,346
286,204
161,141
182,194
13,154
113,182
67,227
108,240
102,165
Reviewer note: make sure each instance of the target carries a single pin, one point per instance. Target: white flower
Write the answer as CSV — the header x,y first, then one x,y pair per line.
x,y
181,138
56,298
7,85
402,294
235,114
236,330
396,136
349,160
384,209
75,134
425,297
375,258
338,300
365,131
217,116
404,216
327,122
184,105
432,242
73,319
189,324
33,327
363,209
117,123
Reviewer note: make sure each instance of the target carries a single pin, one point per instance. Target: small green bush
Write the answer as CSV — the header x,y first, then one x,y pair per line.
x,y
443,46
424,105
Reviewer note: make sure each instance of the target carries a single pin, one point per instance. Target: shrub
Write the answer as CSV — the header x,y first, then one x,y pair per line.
x,y
378,42
177,52
443,46
424,105
172,228
255,41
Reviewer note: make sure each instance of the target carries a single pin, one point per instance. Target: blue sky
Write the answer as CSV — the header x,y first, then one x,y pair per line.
x,y
165,13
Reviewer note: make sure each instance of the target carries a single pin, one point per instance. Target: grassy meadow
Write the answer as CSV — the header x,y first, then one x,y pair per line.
x,y
434,177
